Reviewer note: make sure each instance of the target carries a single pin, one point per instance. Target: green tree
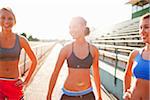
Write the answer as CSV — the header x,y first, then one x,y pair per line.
x,y
24,34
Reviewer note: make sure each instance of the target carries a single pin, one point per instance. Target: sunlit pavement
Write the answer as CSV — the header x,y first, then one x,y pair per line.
x,y
38,88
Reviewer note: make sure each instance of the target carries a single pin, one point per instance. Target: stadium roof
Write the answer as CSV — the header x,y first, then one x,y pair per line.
x,y
138,2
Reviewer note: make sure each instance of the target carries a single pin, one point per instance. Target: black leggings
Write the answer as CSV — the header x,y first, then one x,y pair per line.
x,y
89,96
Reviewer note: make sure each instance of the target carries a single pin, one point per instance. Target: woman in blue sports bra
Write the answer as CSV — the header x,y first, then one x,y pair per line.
x,y
138,66
80,56
11,83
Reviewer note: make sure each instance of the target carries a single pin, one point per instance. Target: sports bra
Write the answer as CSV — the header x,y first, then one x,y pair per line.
x,y
74,62
11,54
142,68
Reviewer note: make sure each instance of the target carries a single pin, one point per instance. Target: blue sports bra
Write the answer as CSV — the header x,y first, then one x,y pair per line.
x,y
142,68
11,54
74,62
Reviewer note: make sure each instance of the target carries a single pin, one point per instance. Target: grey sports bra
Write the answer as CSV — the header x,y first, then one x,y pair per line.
x,y
74,62
11,54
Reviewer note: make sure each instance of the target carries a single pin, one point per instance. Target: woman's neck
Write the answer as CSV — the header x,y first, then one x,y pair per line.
x,y
6,33
147,47
80,41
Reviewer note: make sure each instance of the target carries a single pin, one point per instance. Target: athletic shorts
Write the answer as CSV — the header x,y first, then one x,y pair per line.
x,y
89,96
80,95
9,90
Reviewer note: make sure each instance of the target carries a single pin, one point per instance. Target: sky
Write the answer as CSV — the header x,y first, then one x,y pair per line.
x,y
49,19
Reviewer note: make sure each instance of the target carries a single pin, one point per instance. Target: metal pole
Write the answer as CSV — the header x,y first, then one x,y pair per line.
x,y
24,66
116,65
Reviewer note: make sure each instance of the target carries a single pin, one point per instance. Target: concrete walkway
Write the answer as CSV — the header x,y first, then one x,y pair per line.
x,y
38,88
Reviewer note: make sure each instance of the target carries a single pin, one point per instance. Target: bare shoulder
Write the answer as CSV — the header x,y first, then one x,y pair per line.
x,y
23,40
66,49
94,50
67,46
133,54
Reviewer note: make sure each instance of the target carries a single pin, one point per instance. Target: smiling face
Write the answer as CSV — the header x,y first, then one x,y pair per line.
x,y
144,29
77,27
7,19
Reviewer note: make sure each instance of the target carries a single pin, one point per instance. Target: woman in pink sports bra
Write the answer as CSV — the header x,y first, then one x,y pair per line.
x,y
80,56
138,66
10,47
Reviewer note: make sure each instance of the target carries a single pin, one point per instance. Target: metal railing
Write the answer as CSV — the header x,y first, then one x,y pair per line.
x,y
40,50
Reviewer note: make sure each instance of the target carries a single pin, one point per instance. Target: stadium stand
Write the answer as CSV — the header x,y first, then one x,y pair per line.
x,y
115,47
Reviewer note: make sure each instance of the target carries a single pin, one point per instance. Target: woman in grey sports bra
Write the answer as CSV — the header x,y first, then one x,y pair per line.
x,y
80,56
10,47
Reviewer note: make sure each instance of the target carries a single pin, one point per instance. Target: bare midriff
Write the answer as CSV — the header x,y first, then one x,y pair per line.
x,y
140,89
78,79
9,69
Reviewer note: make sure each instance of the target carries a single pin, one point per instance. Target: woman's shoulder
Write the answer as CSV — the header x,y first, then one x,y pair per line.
x,y
22,38
94,50
19,35
67,47
134,53
93,47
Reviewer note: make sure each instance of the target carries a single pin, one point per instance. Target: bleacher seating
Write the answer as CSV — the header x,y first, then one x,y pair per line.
x,y
115,47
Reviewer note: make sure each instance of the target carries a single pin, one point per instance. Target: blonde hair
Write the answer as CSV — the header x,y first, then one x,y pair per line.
x,y
87,31
9,10
145,16
84,22
80,19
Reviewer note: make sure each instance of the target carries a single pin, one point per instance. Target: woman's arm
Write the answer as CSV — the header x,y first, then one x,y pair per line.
x,y
24,44
128,71
96,74
128,75
59,63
